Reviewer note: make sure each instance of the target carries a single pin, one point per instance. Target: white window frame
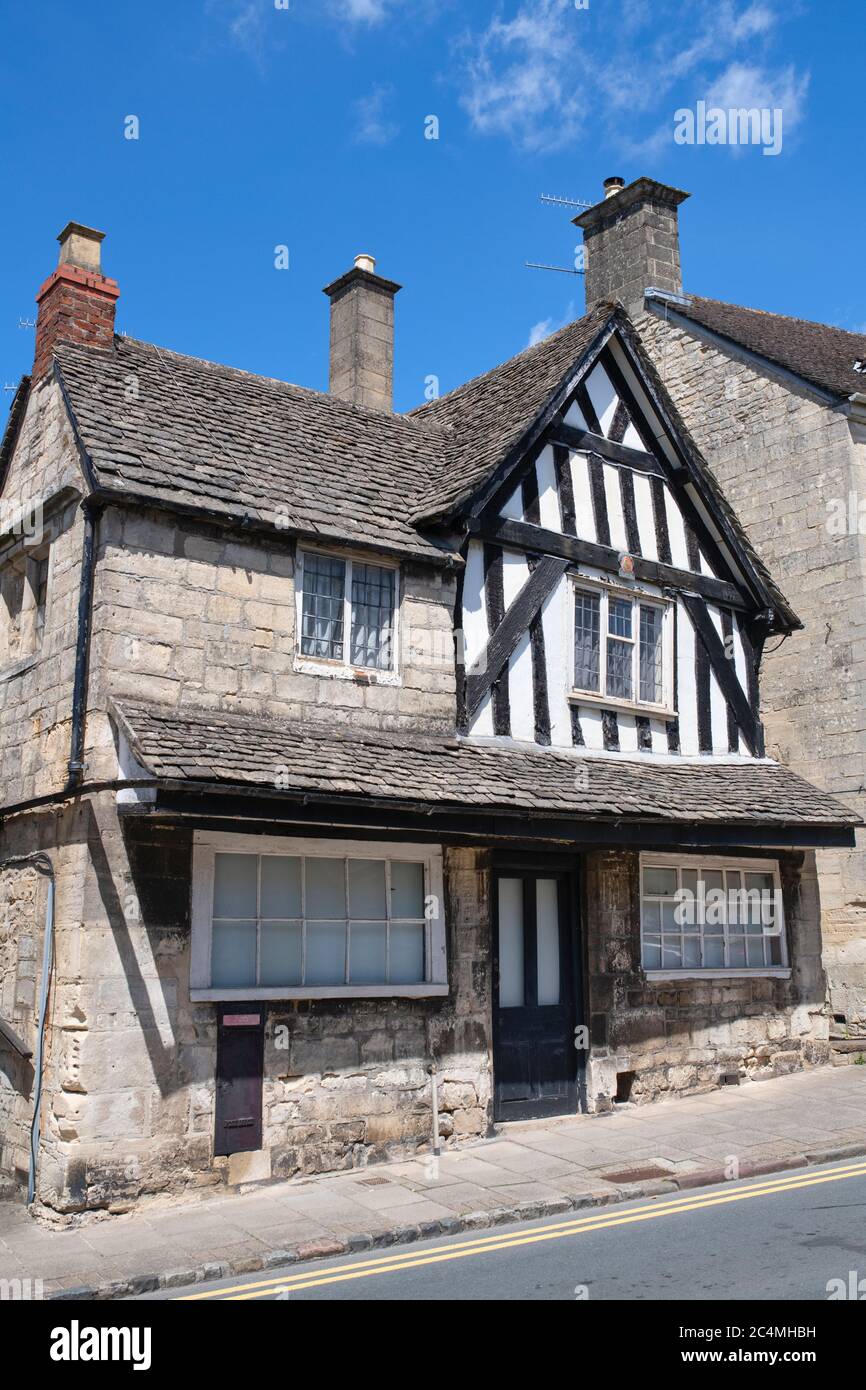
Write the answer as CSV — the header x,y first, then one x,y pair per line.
x,y
638,597
327,666
206,844
678,861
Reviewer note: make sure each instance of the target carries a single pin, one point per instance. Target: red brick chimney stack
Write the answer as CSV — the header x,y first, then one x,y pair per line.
x,y
77,302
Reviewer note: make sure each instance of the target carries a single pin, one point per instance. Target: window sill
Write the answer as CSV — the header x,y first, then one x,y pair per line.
x,y
423,991
760,972
581,697
361,675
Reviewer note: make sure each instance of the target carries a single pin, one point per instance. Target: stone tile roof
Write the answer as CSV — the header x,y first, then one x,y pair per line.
x,y
454,773
488,416
817,352
177,428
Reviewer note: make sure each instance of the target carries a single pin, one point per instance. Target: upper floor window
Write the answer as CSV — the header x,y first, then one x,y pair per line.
x,y
23,605
623,646
347,611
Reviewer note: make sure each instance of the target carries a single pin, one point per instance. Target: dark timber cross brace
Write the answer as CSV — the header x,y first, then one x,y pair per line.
x,y
502,642
725,673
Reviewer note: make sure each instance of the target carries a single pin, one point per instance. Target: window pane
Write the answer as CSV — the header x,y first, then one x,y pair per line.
x,y
367,888
280,953
691,952
407,954
714,952
651,917
234,885
233,954
651,655
367,946
660,882
547,939
372,616
407,889
326,953
322,606
652,953
326,888
619,617
586,641
619,659
511,943
280,886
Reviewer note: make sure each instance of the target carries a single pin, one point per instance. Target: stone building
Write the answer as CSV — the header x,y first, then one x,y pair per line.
x,y
347,754
777,406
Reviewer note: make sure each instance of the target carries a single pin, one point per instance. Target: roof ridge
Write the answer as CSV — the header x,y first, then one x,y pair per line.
x,y
595,312
774,314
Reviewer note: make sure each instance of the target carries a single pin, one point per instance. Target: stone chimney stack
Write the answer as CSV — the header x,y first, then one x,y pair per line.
x,y
77,302
362,336
632,242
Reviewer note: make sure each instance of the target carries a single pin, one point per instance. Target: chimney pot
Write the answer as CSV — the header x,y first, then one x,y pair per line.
x,y
80,245
362,336
613,185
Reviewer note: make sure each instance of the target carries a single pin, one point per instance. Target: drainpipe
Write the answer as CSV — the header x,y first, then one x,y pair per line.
x,y
76,763
434,1095
43,865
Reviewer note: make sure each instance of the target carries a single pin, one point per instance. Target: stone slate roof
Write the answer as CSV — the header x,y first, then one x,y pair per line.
x,y
235,443
817,352
489,415
453,773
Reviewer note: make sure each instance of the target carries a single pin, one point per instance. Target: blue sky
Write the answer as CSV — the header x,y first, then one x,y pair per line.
x,y
302,124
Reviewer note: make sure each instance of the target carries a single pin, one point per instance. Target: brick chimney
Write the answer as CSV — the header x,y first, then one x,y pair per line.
x,y
362,336
632,242
77,302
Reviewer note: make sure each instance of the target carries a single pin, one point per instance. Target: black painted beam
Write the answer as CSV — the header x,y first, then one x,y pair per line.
x,y
587,442
523,536
725,672
503,641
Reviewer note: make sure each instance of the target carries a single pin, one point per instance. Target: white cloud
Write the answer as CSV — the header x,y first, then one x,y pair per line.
x,y
742,85
363,11
542,71
543,329
372,124
521,78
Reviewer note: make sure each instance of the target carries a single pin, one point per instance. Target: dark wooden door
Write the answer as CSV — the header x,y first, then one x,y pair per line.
x,y
534,1057
240,1069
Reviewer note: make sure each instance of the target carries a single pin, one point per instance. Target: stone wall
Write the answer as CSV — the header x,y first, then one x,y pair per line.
x,y
680,1035
193,619
36,692
129,1095
784,460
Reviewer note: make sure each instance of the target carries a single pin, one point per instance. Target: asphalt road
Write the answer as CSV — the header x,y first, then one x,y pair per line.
x,y
784,1237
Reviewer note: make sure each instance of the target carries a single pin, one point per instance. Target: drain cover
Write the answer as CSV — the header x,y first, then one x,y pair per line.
x,y
637,1174
373,1182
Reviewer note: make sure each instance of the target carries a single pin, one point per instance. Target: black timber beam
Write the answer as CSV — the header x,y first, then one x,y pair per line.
x,y
587,442
522,535
725,672
502,642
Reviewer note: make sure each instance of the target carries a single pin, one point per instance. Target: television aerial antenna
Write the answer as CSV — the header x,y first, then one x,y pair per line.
x,y
554,200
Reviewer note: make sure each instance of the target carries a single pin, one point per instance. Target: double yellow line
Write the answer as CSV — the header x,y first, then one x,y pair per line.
x,y
491,1244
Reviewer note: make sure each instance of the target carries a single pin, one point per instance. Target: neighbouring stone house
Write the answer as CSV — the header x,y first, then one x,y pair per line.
x,y
777,406
348,753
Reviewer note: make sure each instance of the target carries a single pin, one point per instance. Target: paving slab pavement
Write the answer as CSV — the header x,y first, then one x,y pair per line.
x,y
525,1170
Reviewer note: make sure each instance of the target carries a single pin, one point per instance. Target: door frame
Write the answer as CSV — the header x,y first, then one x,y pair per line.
x,y
567,867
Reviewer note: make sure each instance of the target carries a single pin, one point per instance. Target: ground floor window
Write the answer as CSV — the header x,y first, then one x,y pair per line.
x,y
280,918
711,914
